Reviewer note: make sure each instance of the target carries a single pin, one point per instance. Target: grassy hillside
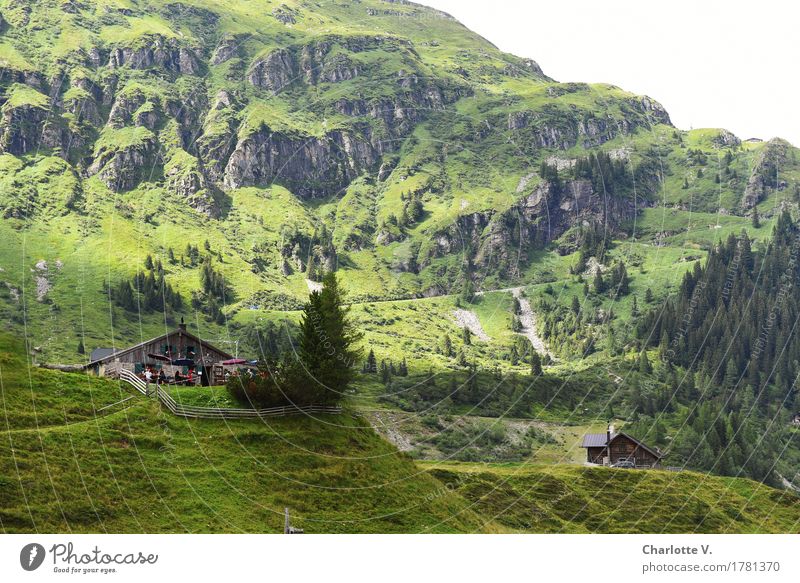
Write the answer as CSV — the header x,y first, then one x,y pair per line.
x,y
68,465
75,459
573,499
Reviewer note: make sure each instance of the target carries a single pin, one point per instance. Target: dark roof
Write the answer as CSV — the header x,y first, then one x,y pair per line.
x,y
599,440
122,351
594,440
100,354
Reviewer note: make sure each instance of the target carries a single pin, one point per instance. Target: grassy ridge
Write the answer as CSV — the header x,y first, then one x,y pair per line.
x,y
580,500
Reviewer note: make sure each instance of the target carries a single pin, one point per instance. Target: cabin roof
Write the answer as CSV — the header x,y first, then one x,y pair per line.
x,y
594,440
600,440
100,354
116,353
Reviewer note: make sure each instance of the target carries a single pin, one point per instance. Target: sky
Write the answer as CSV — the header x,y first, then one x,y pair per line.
x,y
710,63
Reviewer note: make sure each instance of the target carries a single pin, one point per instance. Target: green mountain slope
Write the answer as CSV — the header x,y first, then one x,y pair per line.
x,y
383,139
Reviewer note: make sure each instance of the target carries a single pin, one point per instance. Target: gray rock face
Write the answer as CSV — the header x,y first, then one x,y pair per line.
x,y
501,239
765,174
274,72
123,168
21,129
162,53
227,49
310,167
190,184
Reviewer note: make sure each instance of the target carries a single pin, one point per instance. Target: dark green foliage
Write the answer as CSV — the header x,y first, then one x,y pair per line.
x,y
536,364
147,292
447,346
733,322
327,342
371,365
212,282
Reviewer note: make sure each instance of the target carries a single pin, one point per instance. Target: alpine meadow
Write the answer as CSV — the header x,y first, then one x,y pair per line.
x,y
349,259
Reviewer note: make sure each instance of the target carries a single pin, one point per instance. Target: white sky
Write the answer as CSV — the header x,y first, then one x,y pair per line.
x,y
710,63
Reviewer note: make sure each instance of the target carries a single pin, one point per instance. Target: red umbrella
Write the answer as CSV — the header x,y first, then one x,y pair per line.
x,y
235,361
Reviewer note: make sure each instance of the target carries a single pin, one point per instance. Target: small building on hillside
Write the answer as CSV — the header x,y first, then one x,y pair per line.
x,y
796,419
610,448
177,351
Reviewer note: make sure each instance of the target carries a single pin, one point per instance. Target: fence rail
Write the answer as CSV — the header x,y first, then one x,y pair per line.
x,y
219,413
133,380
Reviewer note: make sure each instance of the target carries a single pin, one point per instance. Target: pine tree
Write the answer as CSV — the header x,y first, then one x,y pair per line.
x,y
644,363
447,346
599,284
466,336
148,263
536,363
755,219
371,365
328,341
576,305
81,348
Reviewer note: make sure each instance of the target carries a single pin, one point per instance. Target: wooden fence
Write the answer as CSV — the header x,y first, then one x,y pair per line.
x,y
218,413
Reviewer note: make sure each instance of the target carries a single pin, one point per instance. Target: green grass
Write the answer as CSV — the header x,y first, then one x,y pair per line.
x,y
574,499
136,468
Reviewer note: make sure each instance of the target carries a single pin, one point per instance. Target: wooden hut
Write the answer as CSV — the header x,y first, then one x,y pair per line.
x,y
177,351
609,448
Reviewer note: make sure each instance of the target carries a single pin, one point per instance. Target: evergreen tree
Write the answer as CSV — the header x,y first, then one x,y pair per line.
x,y
447,346
371,365
466,336
327,343
536,363
644,363
599,283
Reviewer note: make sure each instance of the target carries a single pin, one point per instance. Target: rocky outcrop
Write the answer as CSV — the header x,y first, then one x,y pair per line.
x,y
125,106
124,167
308,166
217,142
274,72
766,173
499,239
159,52
227,49
185,178
21,128
554,128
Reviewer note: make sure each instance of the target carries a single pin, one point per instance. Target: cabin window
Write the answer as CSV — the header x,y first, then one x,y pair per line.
x,y
190,352
621,448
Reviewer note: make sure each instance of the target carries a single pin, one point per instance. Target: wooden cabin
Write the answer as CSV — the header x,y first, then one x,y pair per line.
x,y
176,351
609,448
